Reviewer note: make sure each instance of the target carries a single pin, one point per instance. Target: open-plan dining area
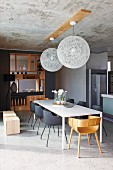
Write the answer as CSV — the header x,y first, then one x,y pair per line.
x,y
56,85
27,150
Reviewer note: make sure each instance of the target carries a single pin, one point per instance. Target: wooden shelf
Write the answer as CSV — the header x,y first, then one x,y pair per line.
x,y
30,76
27,76
20,60
17,61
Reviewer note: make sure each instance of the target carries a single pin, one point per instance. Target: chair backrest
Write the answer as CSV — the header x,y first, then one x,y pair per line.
x,y
51,120
97,107
90,124
82,103
32,107
70,100
38,111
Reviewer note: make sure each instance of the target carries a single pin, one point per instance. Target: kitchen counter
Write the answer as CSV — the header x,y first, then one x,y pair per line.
x,y
107,103
107,95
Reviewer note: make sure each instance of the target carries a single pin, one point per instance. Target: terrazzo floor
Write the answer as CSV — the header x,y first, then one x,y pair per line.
x,y
27,151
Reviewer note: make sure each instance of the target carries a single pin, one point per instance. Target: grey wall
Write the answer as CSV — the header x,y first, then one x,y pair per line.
x,y
97,61
74,81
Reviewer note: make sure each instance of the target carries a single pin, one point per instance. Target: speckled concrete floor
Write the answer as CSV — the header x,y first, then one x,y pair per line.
x,y
28,151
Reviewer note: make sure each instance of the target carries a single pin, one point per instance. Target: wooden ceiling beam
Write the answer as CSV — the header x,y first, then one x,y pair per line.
x,y
77,17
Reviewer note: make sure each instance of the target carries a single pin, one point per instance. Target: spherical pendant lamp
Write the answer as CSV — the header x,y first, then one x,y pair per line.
x,y
49,60
73,52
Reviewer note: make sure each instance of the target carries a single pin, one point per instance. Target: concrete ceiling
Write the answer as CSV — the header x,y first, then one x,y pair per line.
x,y
24,24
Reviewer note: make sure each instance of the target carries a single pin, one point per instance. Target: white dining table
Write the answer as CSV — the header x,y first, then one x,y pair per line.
x,y
64,112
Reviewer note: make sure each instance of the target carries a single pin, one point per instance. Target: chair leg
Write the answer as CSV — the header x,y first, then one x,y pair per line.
x,y
98,143
53,129
66,137
104,130
35,123
30,117
70,138
88,135
79,139
48,136
43,132
32,122
38,126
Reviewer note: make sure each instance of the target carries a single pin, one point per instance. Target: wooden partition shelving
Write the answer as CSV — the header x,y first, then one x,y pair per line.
x,y
21,62
25,67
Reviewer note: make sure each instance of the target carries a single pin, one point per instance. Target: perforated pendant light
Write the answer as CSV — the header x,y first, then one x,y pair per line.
x,y
49,60
73,52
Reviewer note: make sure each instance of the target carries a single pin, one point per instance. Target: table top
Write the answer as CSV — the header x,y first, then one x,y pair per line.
x,y
62,111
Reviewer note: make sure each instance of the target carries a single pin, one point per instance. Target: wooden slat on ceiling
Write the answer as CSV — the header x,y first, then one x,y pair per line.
x,y
78,16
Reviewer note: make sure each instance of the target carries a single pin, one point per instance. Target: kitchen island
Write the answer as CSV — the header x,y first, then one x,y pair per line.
x,y
107,103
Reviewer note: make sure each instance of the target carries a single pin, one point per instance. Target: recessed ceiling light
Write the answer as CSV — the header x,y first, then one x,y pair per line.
x,y
51,38
72,22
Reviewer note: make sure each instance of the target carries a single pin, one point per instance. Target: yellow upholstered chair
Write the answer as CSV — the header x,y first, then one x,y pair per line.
x,y
84,127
